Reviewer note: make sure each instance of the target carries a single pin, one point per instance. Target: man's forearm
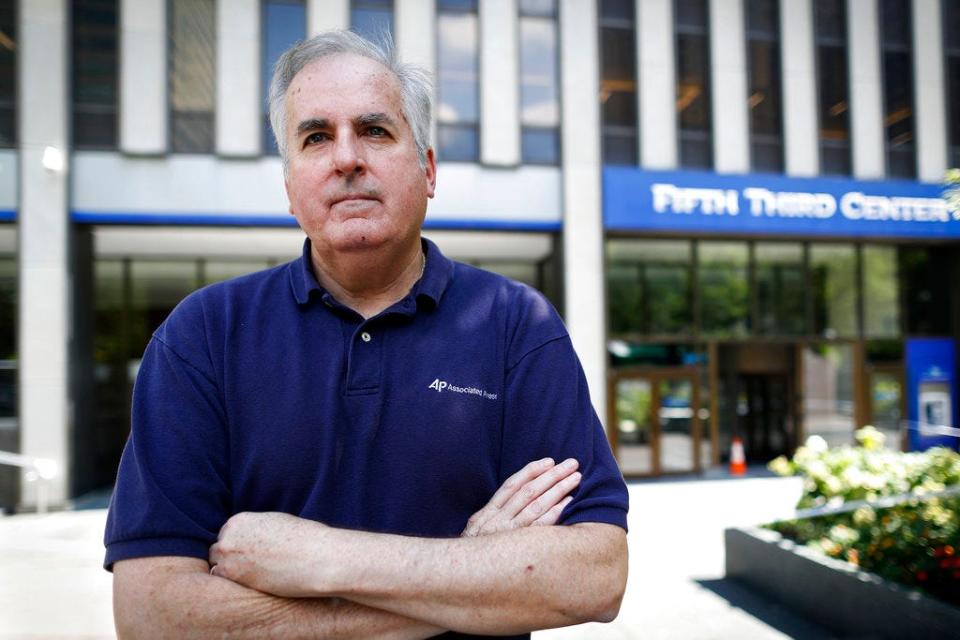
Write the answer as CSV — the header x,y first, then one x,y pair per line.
x,y
176,598
512,582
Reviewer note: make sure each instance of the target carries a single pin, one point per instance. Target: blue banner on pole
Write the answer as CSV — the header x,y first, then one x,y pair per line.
x,y
931,393
703,202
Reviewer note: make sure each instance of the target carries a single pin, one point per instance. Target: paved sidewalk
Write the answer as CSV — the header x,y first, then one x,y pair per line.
x,y
52,586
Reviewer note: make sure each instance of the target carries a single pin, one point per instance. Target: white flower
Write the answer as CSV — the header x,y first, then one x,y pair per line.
x,y
817,444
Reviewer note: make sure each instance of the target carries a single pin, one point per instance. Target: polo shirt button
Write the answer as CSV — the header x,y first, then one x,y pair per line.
x,y
365,336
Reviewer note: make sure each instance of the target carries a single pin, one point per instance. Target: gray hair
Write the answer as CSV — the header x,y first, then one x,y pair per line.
x,y
416,87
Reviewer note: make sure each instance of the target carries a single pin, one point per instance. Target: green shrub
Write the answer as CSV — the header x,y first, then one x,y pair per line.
x,y
915,542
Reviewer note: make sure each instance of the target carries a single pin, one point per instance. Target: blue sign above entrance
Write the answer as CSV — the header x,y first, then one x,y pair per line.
x,y
693,202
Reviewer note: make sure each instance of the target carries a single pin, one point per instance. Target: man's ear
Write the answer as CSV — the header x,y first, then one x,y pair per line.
x,y
286,188
431,172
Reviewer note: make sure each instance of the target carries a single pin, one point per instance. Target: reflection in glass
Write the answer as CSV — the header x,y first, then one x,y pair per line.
x,y
8,74
676,415
618,86
896,23
831,40
372,19
649,286
833,278
457,85
724,291
881,292
634,438
156,288
94,59
284,22
192,60
780,288
693,93
828,393
885,401
539,91
766,127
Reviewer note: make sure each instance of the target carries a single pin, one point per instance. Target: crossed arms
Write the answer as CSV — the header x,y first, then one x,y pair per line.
x,y
276,575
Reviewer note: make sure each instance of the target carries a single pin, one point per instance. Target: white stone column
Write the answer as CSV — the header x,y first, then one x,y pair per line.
x,y
729,86
239,131
658,85
499,83
931,115
583,274
44,275
866,90
323,15
798,61
415,26
143,76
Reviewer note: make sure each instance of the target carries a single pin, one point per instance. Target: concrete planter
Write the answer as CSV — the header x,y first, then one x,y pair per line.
x,y
833,593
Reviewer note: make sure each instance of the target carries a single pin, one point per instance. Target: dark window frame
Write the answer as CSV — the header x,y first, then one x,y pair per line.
x,y
774,39
823,41
78,109
15,83
472,8
695,135
951,51
171,112
622,132
268,147
553,19
909,50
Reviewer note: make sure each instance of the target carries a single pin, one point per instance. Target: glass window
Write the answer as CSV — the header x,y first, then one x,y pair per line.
x,y
693,90
618,85
897,48
192,79
649,286
764,100
458,110
831,39
833,284
8,298
828,393
219,270
94,74
724,290
8,74
539,86
951,44
881,292
929,287
284,22
373,19
780,288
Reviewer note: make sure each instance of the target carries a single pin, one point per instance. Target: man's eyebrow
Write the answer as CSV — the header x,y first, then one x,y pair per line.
x,y
374,118
312,125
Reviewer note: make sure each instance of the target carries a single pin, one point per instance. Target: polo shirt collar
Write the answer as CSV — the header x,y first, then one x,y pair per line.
x,y
437,274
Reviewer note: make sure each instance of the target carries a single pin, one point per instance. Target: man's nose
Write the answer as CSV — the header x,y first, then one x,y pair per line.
x,y
347,154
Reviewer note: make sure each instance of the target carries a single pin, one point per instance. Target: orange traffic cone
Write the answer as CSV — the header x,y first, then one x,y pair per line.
x,y
738,462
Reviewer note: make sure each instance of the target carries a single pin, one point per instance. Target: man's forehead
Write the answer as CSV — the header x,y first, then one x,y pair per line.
x,y
343,85
344,69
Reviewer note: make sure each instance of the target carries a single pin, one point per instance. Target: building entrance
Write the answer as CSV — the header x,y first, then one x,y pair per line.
x,y
757,392
654,421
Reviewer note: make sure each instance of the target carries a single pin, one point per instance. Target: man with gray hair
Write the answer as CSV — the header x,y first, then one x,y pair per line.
x,y
314,447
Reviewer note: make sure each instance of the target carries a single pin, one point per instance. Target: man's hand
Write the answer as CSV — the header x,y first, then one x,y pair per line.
x,y
534,496
273,552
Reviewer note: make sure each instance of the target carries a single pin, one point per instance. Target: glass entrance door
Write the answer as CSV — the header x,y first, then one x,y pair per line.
x,y
654,422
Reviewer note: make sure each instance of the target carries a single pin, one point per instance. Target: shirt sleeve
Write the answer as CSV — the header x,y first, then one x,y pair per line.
x,y
172,494
549,413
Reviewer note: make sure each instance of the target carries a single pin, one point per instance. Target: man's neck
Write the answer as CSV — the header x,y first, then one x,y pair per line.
x,y
369,282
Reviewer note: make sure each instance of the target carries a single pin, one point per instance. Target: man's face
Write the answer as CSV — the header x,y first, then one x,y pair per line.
x,y
353,178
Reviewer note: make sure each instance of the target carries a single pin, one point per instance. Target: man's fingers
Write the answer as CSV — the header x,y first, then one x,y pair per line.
x,y
520,478
547,501
538,486
552,516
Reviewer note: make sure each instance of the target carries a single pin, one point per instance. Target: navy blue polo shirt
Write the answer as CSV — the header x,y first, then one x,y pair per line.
x,y
263,393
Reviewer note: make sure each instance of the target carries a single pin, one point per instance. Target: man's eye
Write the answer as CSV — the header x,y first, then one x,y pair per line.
x,y
377,132
315,138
